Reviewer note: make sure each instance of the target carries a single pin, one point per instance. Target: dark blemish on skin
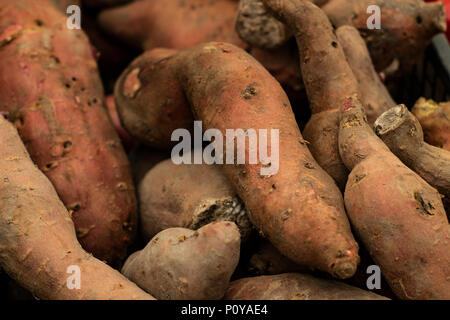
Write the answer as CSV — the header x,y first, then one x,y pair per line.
x,y
334,44
285,214
67,144
50,165
74,207
39,23
359,177
248,92
285,105
424,206
419,19
309,165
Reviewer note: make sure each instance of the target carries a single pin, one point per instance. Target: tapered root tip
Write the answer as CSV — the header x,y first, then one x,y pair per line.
x,y
390,120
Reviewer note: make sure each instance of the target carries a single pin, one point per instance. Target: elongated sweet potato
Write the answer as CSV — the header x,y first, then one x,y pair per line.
x,y
144,25
188,196
406,26
435,121
37,237
327,83
373,93
51,90
298,208
295,286
180,264
398,216
402,133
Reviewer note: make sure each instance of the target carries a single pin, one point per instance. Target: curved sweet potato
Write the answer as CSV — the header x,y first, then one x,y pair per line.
x,y
327,83
188,196
37,237
295,286
51,90
373,93
182,264
402,133
435,121
228,89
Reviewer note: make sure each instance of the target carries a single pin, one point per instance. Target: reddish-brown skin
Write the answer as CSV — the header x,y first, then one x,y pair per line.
x,y
398,216
326,83
402,133
373,93
51,90
127,140
295,286
183,264
145,25
435,121
37,237
407,27
299,209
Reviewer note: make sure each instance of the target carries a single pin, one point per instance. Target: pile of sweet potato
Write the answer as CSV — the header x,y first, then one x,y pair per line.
x,y
102,198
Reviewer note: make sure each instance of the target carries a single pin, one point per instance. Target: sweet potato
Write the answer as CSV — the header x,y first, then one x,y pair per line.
x,y
398,216
328,83
373,93
144,25
188,196
402,133
299,208
37,236
407,26
435,121
295,286
51,90
180,264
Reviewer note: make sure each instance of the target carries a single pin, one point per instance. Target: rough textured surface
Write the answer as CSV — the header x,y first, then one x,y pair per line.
x,y
402,133
435,121
55,98
327,80
180,264
373,93
37,236
188,196
257,26
300,208
398,216
145,25
295,286
406,27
